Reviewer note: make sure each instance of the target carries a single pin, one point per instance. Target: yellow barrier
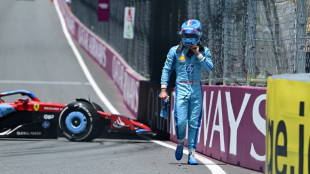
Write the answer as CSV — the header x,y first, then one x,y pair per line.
x,y
288,124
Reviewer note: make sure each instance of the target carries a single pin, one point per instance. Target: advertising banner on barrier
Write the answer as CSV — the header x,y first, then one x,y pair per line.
x,y
233,125
288,124
124,77
103,10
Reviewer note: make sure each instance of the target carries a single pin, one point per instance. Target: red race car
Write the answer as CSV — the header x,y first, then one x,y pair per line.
x,y
81,120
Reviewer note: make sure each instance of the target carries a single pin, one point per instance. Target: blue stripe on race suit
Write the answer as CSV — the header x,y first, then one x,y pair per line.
x,y
208,64
171,69
200,116
173,65
165,82
175,112
196,134
193,145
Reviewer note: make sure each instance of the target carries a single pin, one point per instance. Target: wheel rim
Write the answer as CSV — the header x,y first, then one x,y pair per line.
x,y
76,122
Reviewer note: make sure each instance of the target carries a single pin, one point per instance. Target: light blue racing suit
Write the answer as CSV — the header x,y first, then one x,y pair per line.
x,y
188,99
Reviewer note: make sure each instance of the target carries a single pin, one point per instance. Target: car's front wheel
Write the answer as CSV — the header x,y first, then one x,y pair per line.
x,y
79,121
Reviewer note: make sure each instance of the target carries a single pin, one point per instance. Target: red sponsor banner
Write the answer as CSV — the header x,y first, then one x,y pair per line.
x,y
233,126
103,10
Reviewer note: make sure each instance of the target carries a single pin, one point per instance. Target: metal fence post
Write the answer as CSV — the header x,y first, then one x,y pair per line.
x,y
226,40
250,52
301,36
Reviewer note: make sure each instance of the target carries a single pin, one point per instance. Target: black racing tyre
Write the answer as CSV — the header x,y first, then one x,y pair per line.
x,y
97,107
79,121
104,122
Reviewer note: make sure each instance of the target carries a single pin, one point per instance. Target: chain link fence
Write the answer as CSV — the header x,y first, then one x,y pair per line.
x,y
249,39
134,51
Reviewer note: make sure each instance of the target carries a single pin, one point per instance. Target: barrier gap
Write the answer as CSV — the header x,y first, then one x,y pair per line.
x,y
301,109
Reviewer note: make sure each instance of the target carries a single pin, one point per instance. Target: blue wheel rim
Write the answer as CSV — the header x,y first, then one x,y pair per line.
x,y
76,122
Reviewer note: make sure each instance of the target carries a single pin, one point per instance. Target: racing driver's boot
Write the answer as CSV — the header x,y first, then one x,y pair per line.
x,y
179,150
191,157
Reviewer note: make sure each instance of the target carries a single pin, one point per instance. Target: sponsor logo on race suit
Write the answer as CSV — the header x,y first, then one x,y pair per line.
x,y
182,58
190,69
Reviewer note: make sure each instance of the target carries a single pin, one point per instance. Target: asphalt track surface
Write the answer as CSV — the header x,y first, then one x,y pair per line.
x,y
35,56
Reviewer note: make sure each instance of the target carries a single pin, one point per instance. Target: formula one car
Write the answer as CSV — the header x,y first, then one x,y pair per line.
x,y
81,120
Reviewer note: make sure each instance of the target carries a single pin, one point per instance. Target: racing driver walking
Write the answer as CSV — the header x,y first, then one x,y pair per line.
x,y
188,58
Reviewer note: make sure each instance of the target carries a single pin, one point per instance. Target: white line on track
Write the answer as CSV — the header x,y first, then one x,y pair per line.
x,y
43,82
215,169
